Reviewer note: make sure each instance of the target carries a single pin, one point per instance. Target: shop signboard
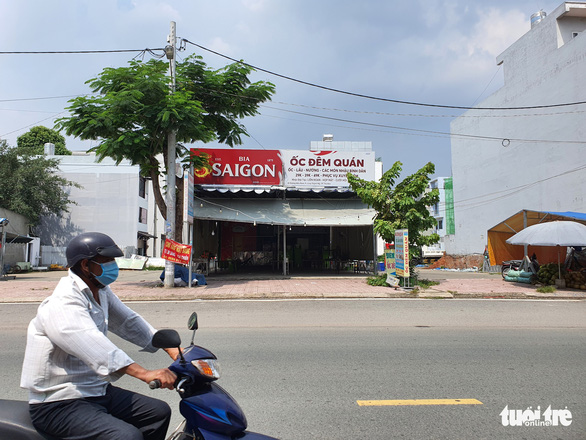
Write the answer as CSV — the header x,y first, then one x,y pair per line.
x,y
239,167
402,252
390,266
289,168
390,260
176,252
321,169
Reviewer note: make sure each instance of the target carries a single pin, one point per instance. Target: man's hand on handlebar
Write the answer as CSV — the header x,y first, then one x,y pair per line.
x,y
164,376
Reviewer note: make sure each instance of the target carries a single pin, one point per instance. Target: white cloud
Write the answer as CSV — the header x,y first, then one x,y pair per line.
x,y
497,30
254,5
467,54
220,45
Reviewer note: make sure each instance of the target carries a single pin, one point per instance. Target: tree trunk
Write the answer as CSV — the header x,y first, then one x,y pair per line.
x,y
162,205
159,199
179,210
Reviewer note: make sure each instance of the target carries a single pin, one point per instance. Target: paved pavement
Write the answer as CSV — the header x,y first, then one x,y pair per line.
x,y
145,285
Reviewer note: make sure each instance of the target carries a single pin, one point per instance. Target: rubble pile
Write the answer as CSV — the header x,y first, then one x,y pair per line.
x,y
458,262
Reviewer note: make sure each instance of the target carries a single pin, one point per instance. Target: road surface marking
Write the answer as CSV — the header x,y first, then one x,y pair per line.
x,y
418,402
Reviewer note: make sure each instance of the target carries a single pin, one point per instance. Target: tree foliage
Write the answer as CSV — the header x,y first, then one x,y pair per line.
x,y
400,206
30,185
132,113
34,140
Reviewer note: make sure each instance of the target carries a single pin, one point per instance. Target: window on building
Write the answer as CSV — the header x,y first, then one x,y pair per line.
x,y
142,215
440,224
142,187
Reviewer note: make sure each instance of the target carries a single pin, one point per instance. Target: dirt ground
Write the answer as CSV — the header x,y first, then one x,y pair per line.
x,y
458,262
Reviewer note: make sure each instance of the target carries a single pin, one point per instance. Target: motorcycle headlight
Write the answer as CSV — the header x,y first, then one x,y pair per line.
x,y
207,367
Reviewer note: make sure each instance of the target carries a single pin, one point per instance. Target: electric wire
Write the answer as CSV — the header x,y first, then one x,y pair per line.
x,y
461,135
376,98
69,52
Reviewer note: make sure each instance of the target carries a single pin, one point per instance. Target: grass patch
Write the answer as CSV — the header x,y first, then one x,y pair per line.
x,y
426,284
380,280
154,268
546,289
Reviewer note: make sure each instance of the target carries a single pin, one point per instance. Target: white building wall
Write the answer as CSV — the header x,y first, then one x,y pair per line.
x,y
108,201
527,166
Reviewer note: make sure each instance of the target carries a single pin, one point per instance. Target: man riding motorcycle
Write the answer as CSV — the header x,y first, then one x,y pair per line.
x,y
69,362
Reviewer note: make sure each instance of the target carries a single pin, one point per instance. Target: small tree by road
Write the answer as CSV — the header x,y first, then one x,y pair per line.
x,y
402,205
132,112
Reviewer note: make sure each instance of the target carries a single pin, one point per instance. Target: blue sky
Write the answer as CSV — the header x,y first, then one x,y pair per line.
x,y
428,51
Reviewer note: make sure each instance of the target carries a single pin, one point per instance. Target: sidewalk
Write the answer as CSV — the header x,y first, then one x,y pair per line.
x,y
146,286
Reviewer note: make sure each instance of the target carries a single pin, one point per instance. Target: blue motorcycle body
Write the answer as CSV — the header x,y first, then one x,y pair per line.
x,y
210,412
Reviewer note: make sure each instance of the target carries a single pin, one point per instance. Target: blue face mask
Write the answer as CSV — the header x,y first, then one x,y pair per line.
x,y
109,273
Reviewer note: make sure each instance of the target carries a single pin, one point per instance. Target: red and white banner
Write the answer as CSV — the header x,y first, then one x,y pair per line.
x,y
289,168
176,252
321,169
240,167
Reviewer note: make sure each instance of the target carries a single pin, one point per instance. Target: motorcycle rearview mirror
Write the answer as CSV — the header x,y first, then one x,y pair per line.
x,y
168,338
192,325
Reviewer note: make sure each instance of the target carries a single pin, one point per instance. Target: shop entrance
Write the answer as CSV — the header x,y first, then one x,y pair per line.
x,y
238,247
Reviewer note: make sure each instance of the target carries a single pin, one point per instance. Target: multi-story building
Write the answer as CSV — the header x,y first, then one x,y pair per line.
x,y
531,153
443,212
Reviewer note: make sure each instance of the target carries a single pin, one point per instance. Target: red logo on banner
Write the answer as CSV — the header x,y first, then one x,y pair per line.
x,y
176,252
240,167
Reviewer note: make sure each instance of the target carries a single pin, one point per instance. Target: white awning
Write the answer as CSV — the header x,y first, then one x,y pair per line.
x,y
259,189
306,212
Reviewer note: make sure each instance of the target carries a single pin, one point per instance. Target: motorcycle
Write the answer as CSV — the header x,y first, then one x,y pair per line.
x,y
210,412
527,264
510,265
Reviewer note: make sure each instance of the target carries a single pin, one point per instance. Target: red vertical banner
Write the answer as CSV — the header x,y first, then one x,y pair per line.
x,y
176,252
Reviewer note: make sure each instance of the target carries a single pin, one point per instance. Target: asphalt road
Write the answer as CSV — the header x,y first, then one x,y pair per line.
x,y
298,368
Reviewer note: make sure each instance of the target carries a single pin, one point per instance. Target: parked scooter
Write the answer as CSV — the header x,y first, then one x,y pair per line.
x,y
210,412
530,265
510,265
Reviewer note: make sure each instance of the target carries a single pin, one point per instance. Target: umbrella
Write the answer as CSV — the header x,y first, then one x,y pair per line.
x,y
556,233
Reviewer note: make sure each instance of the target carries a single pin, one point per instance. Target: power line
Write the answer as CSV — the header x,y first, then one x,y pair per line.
x,y
483,199
504,140
39,99
376,98
331,89
52,52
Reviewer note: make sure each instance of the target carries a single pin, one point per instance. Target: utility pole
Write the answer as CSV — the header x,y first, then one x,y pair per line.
x,y
170,51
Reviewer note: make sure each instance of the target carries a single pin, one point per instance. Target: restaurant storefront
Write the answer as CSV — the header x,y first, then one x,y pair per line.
x,y
283,211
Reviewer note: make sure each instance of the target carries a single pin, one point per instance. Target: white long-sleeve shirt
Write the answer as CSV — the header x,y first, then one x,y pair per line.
x,y
68,354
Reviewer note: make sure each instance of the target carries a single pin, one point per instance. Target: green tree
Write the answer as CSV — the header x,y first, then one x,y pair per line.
x,y
34,140
133,112
30,185
401,206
